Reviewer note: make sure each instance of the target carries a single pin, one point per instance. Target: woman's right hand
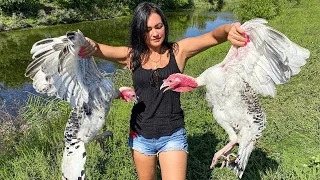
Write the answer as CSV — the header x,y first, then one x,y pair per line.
x,y
119,54
90,49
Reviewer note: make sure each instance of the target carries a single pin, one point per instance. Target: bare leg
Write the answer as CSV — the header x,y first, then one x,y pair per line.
x,y
173,165
145,165
221,152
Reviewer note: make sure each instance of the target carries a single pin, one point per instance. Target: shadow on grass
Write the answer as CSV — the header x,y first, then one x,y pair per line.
x,y
259,163
201,150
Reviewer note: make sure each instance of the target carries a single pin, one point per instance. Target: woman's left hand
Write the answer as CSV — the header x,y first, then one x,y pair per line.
x,y
237,36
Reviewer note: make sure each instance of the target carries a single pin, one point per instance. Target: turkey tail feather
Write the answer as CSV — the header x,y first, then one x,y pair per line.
x,y
242,159
74,158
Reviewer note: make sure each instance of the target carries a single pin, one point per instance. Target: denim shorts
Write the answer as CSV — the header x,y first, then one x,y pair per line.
x,y
154,146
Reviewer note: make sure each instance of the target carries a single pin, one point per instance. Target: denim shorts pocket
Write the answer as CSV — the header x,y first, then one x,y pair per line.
x,y
180,132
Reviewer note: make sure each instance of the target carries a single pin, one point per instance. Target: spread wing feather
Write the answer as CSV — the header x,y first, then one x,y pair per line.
x,y
270,58
56,69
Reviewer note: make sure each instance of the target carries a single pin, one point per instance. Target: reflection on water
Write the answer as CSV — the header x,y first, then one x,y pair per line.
x,y
223,18
15,45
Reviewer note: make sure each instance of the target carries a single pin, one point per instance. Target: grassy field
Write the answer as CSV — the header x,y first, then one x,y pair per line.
x,y
289,148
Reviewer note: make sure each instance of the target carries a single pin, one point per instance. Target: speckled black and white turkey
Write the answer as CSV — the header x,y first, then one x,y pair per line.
x,y
268,59
58,70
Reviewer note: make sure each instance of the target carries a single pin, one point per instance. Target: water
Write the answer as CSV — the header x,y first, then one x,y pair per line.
x,y
15,46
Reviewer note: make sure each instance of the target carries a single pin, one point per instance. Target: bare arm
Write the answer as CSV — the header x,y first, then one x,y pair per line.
x,y
118,54
191,46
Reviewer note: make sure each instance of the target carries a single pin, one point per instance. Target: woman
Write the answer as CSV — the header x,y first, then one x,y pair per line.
x,y
157,120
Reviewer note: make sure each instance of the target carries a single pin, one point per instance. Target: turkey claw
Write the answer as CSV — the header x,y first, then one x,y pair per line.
x,y
227,161
100,138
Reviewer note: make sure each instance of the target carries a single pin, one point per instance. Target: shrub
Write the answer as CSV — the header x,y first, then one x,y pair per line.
x,y
16,21
248,9
85,4
28,7
166,4
175,3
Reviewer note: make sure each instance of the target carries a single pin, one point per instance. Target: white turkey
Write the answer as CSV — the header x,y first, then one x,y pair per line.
x,y
269,58
58,70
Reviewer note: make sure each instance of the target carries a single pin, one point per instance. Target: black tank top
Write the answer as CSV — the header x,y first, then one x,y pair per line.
x,y
156,113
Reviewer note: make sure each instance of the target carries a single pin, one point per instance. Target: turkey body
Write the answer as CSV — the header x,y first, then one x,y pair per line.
x,y
58,70
268,59
239,112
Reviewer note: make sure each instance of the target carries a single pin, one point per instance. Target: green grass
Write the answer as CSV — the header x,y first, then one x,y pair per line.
x,y
289,148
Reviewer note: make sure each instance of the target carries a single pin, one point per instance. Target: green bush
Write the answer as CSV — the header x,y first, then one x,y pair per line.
x,y
27,7
86,4
248,9
73,3
58,16
165,4
174,4
16,21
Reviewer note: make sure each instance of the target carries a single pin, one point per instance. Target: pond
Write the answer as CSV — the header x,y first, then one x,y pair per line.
x,y
16,45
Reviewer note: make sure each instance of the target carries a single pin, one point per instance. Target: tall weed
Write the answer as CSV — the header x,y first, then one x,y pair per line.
x,y
36,153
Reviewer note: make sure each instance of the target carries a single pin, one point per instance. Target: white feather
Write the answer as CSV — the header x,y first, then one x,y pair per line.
x,y
57,70
269,59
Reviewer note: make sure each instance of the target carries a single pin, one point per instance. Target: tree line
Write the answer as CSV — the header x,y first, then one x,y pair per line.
x,y
17,14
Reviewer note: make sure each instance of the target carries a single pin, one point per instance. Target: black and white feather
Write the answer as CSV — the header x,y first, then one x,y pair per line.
x,y
270,58
58,70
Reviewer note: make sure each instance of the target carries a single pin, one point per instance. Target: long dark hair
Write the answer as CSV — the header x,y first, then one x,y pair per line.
x,y
139,28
